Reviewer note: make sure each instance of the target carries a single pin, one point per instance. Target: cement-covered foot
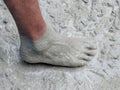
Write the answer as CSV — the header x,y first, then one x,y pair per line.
x,y
55,49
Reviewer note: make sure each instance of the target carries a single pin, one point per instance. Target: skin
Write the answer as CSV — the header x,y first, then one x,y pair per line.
x,y
28,17
40,44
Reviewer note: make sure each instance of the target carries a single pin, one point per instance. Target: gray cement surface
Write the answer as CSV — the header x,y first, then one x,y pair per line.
x,y
97,19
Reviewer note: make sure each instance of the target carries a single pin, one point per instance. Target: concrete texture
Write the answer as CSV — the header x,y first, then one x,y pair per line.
x,y
98,19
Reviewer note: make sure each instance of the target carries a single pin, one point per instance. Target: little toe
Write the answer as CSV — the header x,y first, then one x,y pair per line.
x,y
81,62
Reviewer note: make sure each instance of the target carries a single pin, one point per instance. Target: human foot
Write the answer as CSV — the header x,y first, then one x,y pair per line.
x,y
55,49
50,48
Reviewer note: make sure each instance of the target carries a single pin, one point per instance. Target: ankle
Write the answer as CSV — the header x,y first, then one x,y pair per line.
x,y
35,34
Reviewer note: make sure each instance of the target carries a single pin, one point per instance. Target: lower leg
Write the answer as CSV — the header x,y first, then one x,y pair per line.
x,y
49,48
28,17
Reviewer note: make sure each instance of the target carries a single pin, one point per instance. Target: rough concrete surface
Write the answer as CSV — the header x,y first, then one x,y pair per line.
x,y
97,19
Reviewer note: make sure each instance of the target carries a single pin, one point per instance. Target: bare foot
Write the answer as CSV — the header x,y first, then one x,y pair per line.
x,y
55,49
41,44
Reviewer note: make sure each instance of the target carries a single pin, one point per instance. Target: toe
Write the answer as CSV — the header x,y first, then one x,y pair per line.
x,y
81,62
90,53
91,48
85,57
91,45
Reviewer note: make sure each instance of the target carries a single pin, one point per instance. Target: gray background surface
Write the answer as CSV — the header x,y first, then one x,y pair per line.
x,y
98,19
